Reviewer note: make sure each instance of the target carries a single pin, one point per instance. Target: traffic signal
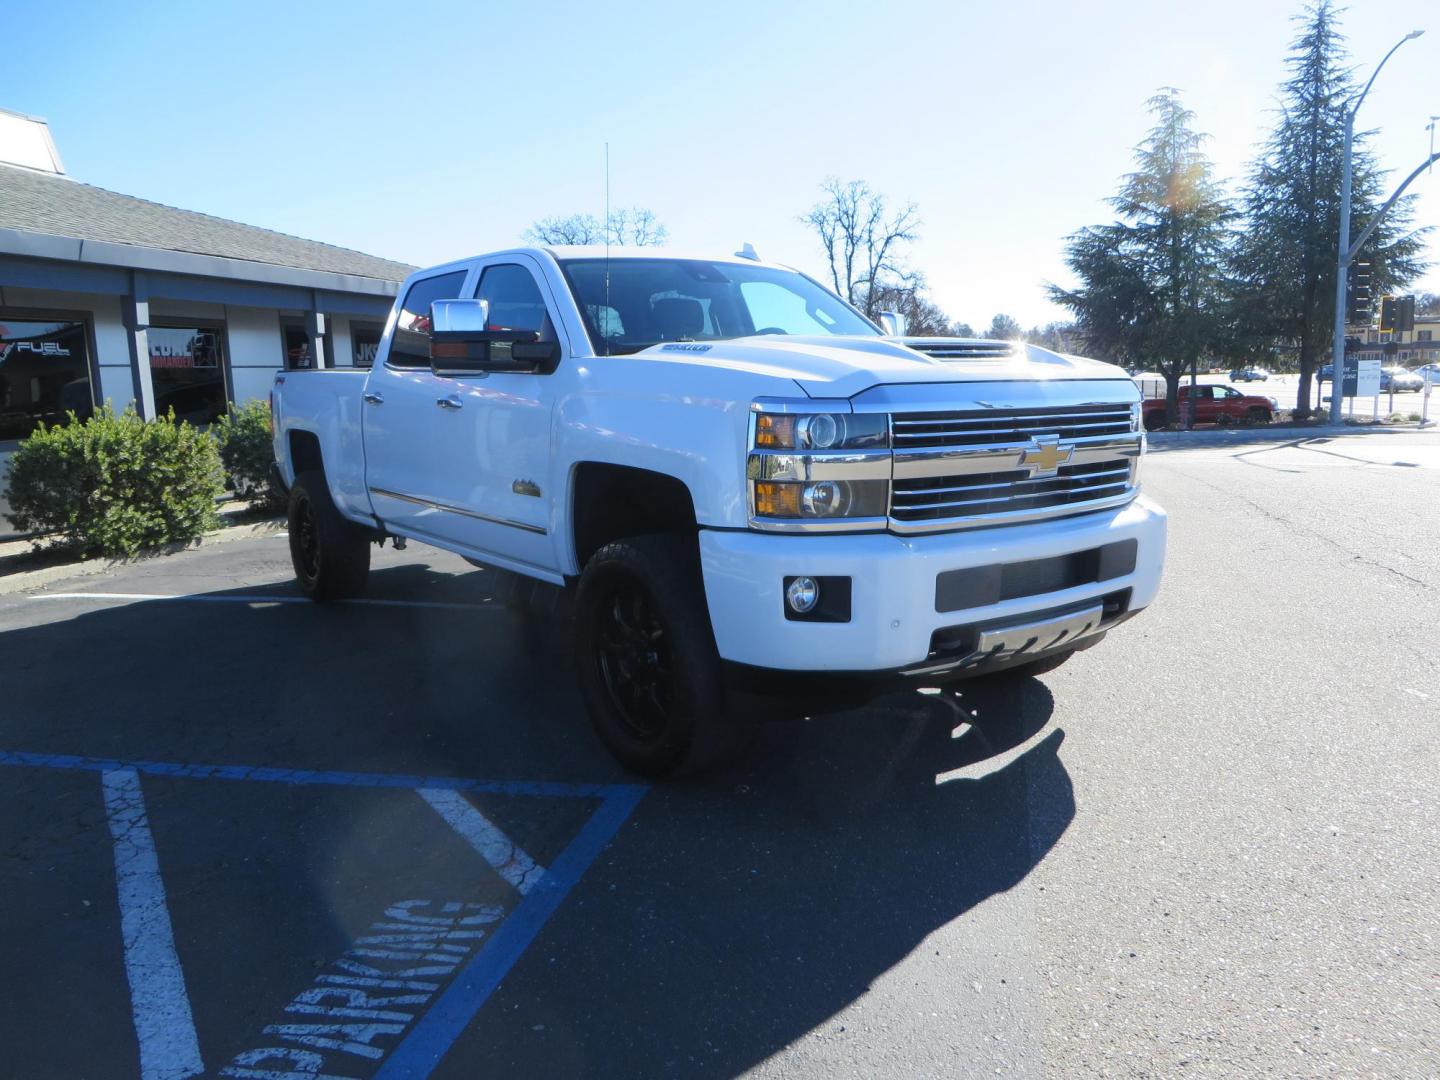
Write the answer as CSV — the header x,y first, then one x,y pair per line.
x,y
1405,313
1357,294
1387,314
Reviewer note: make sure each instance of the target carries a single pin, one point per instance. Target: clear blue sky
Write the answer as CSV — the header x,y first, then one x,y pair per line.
x,y
429,131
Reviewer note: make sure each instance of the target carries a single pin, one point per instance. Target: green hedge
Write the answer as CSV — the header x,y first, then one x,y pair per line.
x,y
248,453
116,484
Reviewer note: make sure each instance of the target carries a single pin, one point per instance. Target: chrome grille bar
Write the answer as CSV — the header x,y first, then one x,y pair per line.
x,y
979,467
909,496
979,428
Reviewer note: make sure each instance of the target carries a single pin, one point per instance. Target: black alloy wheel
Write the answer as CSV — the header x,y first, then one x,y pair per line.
x,y
307,541
330,554
648,669
634,660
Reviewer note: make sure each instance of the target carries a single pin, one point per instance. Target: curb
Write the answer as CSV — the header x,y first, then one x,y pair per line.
x,y
1161,441
23,580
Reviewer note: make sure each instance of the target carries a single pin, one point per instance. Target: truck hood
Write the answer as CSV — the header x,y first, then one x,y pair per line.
x,y
841,367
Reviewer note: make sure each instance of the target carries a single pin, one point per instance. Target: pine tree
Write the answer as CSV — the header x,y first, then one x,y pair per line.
x,y
1284,265
1152,291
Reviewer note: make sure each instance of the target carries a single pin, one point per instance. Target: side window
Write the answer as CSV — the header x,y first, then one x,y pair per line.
x,y
410,346
515,300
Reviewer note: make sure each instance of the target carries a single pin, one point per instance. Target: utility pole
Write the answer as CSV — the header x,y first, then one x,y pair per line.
x,y
1347,251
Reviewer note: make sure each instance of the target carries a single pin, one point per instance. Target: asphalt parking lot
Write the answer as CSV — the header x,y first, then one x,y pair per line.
x,y
243,835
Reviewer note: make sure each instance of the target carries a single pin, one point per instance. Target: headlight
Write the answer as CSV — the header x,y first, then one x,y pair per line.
x,y
821,499
821,431
819,470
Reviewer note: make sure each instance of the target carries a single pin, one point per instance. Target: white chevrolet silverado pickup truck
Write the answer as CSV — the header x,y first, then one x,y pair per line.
x,y
735,472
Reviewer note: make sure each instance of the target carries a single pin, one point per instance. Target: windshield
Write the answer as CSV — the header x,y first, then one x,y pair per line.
x,y
653,300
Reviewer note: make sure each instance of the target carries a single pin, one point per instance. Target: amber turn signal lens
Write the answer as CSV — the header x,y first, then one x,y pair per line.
x,y
775,431
777,500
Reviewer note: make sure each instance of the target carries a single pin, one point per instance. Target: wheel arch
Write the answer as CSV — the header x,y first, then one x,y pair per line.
x,y
610,502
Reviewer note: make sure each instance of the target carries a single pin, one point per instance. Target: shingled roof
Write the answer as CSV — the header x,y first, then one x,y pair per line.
x,y
39,202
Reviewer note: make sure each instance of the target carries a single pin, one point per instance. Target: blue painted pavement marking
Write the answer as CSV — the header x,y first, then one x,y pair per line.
x,y
169,1048
438,1029
312,776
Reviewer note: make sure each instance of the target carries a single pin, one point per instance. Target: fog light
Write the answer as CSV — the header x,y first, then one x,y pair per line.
x,y
802,594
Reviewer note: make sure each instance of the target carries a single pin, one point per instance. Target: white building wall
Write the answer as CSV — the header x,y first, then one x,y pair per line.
x,y
256,351
340,354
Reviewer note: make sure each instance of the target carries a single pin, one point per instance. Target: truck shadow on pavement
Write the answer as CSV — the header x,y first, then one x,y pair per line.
x,y
766,907
729,919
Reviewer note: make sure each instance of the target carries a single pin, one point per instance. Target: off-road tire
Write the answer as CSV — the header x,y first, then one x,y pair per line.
x,y
330,554
648,669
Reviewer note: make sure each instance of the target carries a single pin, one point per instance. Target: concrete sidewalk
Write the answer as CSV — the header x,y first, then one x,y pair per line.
x,y
1161,441
24,566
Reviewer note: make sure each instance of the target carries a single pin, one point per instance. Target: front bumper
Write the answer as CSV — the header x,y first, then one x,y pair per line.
x,y
893,618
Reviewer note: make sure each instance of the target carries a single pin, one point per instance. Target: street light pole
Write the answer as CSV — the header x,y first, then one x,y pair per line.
x,y
1337,352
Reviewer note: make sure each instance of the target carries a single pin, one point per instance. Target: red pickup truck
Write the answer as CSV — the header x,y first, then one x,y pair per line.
x,y
1213,405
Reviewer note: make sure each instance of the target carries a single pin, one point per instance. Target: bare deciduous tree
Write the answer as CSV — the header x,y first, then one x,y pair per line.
x,y
923,317
632,227
862,241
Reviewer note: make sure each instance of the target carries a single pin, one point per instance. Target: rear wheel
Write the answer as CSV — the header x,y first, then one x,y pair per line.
x,y
648,668
331,555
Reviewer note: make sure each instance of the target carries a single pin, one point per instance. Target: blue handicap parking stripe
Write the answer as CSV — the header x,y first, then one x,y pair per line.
x,y
270,774
438,1028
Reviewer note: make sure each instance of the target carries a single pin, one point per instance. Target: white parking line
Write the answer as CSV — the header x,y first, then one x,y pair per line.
x,y
481,833
159,1004
204,598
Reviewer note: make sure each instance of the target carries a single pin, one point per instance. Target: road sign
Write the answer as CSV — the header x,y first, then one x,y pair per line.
x,y
1362,377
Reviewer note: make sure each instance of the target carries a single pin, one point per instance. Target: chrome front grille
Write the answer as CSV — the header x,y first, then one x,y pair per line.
x,y
981,427
971,494
964,469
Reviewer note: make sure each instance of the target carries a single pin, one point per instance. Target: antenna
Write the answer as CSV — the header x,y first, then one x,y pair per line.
x,y
605,332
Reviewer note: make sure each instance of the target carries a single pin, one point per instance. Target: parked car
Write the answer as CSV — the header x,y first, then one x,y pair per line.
x,y
1214,405
1250,374
1395,380
1432,371
733,472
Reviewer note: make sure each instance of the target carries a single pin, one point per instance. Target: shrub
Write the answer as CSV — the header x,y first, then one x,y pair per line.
x,y
248,454
115,483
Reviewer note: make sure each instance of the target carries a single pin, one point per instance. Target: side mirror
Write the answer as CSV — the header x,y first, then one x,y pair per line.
x,y
462,343
893,323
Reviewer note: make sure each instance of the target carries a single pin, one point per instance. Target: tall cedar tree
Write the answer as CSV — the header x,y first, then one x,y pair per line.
x,y
1151,284
1284,263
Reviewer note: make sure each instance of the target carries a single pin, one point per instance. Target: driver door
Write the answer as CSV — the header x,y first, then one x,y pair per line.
x,y
494,434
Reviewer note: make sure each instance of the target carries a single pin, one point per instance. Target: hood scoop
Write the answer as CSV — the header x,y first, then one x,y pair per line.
x,y
960,348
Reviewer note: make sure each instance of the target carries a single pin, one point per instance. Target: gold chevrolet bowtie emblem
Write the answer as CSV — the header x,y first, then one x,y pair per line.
x,y
1045,455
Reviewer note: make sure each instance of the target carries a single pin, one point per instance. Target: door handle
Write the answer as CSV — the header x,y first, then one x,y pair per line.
x,y
373,398
451,402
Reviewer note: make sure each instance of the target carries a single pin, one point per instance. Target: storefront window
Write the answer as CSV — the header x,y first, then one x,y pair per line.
x,y
299,352
44,374
187,374
364,344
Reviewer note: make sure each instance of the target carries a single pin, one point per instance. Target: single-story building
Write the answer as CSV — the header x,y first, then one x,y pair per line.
x,y
107,297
